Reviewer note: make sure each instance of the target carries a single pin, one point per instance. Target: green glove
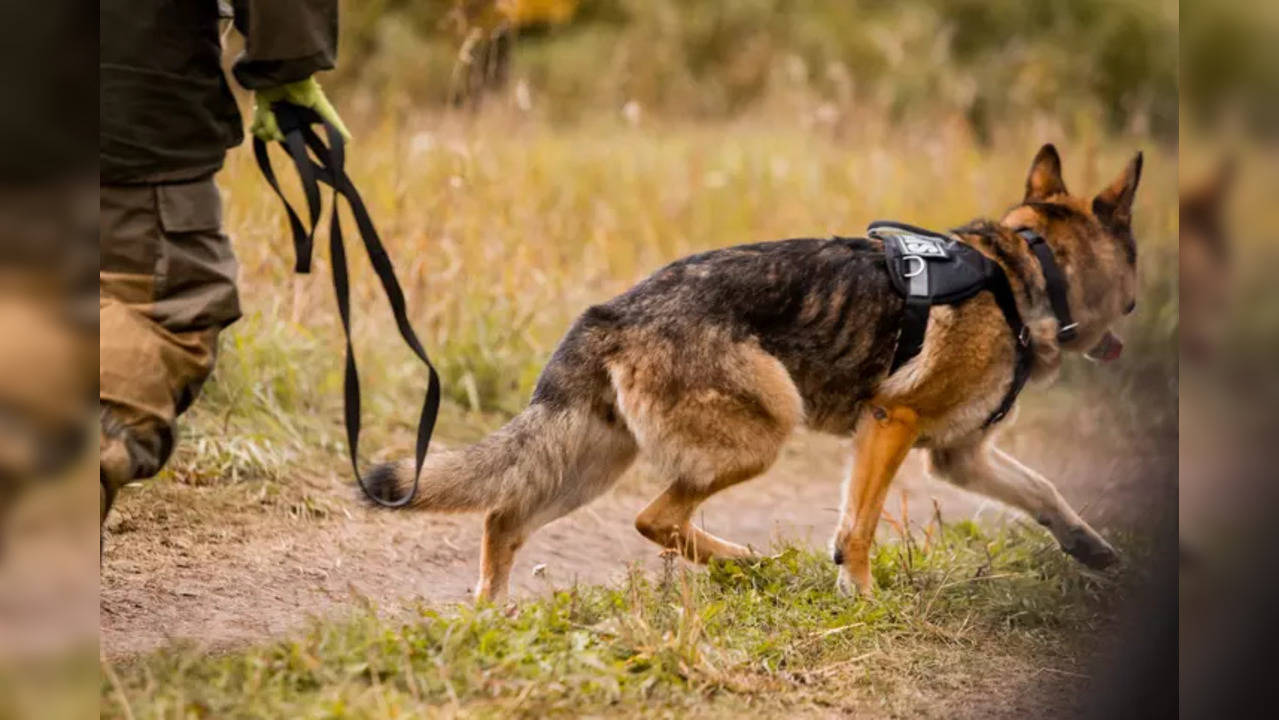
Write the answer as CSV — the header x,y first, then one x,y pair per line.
x,y
306,93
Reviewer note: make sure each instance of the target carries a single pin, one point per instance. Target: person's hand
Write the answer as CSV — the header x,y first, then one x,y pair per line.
x,y
306,93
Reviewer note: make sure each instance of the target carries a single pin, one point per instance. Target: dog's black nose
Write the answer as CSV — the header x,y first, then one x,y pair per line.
x,y
838,556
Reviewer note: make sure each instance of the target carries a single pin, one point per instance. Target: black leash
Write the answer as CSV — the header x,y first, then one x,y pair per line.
x,y
295,123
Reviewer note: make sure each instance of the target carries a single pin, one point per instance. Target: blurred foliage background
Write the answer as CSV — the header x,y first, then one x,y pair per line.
x,y
989,61
1230,68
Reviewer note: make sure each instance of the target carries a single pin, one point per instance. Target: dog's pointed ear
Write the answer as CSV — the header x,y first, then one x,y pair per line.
x,y
1206,199
1114,204
1044,179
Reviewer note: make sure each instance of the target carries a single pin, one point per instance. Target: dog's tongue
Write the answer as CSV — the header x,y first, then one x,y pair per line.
x,y
1107,349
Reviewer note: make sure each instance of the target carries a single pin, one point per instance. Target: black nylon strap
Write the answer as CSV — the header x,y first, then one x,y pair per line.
x,y
302,238
295,122
1055,282
1003,292
914,324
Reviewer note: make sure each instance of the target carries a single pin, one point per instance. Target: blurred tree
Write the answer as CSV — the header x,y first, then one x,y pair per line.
x,y
1107,63
486,29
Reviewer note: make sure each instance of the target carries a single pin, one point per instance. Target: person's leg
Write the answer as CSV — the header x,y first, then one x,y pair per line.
x,y
166,288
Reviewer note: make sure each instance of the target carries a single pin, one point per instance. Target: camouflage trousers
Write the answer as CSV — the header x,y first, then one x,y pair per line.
x,y
166,288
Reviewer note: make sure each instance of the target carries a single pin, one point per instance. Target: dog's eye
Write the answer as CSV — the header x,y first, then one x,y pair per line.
x,y
1131,306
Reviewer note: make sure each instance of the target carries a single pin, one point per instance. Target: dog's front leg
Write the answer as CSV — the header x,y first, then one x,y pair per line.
x,y
883,437
985,469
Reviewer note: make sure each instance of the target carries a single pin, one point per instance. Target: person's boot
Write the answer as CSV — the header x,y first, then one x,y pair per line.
x,y
115,466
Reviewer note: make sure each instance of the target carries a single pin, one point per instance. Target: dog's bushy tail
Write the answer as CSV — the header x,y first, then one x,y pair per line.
x,y
524,455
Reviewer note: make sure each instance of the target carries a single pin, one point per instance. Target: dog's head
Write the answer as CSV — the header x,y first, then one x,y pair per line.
x,y
1093,242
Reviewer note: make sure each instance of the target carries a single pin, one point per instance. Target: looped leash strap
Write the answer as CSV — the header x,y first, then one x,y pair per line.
x,y
302,238
1055,281
295,122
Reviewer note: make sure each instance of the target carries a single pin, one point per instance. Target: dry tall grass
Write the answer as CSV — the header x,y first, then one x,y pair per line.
x,y
503,229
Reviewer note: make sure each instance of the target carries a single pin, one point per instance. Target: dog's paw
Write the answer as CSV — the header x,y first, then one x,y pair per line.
x,y
1090,549
854,585
837,544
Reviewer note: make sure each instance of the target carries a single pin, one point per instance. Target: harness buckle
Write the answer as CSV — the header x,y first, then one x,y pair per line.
x,y
923,265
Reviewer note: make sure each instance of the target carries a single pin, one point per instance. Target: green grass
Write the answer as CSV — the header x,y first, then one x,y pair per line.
x,y
957,608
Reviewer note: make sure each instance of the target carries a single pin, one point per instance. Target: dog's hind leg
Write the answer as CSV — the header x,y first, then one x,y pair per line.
x,y
881,441
984,469
504,533
667,521
709,429
587,458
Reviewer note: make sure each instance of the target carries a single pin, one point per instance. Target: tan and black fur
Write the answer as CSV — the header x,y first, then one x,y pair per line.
x,y
704,369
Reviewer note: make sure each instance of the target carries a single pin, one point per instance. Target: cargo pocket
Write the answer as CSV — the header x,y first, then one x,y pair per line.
x,y
195,283
129,239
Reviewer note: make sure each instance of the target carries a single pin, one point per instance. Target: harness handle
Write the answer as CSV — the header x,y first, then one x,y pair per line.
x,y
299,137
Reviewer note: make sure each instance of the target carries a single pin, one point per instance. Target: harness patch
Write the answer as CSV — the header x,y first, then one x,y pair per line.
x,y
922,246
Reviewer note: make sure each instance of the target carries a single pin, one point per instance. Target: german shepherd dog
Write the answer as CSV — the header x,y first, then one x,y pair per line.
x,y
704,368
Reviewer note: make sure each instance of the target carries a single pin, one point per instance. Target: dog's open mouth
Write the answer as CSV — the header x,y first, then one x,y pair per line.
x,y
1110,347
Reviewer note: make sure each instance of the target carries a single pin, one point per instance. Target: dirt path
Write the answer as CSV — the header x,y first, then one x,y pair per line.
x,y
221,578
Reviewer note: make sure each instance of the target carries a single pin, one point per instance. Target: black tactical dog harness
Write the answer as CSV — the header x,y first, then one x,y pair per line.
x,y
928,269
